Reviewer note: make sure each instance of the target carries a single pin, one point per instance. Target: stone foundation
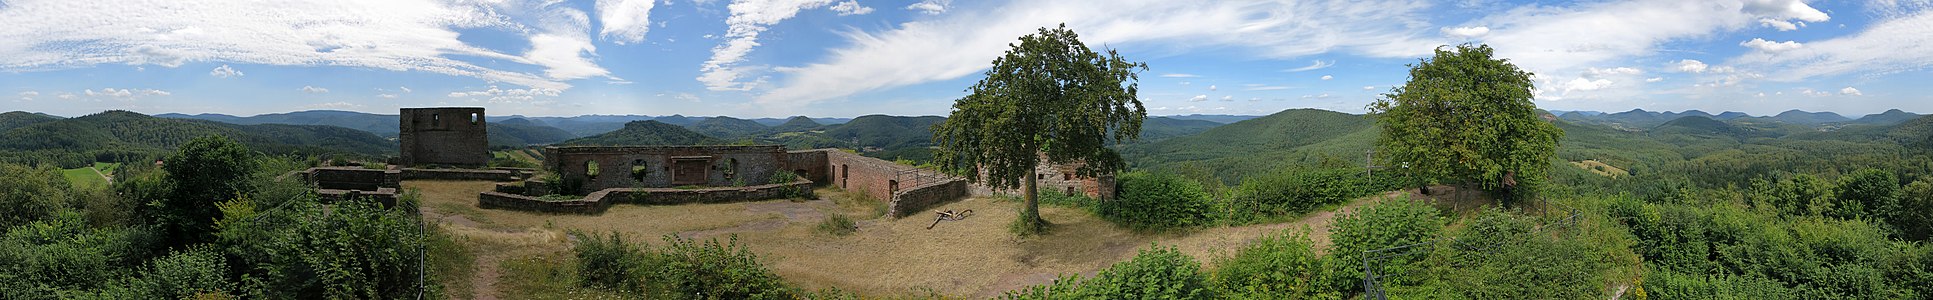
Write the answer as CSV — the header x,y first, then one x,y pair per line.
x,y
596,202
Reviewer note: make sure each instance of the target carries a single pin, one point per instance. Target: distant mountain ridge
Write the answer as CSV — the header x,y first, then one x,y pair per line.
x,y
123,130
647,132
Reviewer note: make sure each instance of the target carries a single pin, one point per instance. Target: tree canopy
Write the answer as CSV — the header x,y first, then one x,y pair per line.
x,y
1049,97
1467,116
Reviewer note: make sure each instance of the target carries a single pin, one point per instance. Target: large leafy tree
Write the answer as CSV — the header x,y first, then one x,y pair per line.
x,y
1467,116
205,171
1049,99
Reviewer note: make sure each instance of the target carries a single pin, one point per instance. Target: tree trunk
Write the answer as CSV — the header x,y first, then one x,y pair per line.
x,y
1030,192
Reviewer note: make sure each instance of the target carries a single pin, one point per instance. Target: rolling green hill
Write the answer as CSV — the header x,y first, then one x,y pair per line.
x,y
796,124
890,132
1261,144
728,128
1160,128
642,133
519,132
123,133
1706,126
16,119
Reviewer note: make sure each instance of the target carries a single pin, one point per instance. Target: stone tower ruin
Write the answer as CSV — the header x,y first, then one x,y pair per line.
x,y
452,136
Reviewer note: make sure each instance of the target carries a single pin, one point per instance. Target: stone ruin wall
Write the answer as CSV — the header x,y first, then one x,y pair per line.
x,y
453,136
653,166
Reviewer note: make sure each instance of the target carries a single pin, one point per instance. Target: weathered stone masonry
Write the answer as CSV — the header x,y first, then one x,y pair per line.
x,y
453,136
665,166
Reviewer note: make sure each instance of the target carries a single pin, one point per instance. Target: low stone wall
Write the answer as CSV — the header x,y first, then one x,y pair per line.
x,y
386,196
352,178
913,201
596,202
496,200
459,174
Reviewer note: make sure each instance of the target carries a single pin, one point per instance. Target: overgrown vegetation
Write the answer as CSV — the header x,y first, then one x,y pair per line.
x,y
837,224
1158,201
1157,273
682,269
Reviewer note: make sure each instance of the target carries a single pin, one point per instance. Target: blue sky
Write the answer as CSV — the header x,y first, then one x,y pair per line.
x,y
843,58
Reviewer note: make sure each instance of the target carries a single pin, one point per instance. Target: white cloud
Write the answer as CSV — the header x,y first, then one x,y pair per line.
x,y
108,93
1810,92
1327,77
1320,96
313,90
406,89
225,72
1179,75
1886,46
1770,46
1317,65
930,7
851,7
156,93
1582,84
748,19
1789,9
29,95
1265,88
1613,71
1198,98
1849,91
1369,88
386,96
1211,88
1782,25
1228,98
394,35
624,21
958,45
495,94
1692,66
1465,32
1566,39
333,105
1654,79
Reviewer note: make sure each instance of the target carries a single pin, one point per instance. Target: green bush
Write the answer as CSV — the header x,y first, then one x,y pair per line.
x,y
1867,193
1279,266
30,194
837,224
714,270
1383,224
1914,219
609,262
205,171
1158,201
1290,193
41,259
1501,255
1158,273
352,249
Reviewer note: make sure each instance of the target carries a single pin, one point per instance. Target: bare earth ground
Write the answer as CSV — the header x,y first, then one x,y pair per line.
x,y
975,257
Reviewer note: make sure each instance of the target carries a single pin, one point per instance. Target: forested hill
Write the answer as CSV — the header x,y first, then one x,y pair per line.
x,y
1283,139
645,133
128,132
15,119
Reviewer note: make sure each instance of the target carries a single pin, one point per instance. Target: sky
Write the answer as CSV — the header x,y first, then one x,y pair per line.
x,y
845,58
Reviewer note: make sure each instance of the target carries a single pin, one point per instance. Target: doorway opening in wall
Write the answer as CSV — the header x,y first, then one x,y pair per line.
x,y
639,170
690,170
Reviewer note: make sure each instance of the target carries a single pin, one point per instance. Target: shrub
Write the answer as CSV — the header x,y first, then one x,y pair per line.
x,y
608,262
30,194
207,170
1158,273
1867,193
1383,224
715,270
1276,266
1289,193
352,249
1914,219
40,259
837,224
1158,201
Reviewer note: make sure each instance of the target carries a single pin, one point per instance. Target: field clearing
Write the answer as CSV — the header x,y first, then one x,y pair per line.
x,y
975,257
90,177
1601,168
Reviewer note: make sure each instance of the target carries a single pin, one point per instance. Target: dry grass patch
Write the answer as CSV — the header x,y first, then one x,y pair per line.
x,y
1601,168
975,257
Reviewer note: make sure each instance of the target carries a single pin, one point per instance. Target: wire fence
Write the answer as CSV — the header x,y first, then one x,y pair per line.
x,y
1373,260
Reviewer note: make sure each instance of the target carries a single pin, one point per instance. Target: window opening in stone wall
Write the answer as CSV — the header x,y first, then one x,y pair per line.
x,y
639,170
476,118
436,120
731,169
590,169
1066,176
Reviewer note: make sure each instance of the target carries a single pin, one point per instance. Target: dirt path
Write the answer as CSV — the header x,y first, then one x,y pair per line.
x,y
104,177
